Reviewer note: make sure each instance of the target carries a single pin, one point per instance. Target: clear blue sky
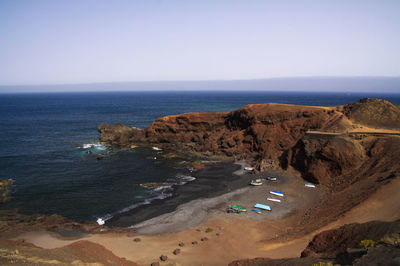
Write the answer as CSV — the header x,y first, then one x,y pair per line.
x,y
55,42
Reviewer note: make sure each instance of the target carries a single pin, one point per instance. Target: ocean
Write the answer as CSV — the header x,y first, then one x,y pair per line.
x,y
45,139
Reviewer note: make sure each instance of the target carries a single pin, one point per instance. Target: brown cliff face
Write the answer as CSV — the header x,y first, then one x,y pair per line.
x,y
272,134
319,158
261,131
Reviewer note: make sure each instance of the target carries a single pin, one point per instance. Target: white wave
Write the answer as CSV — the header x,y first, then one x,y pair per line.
x,y
186,178
93,146
163,187
134,206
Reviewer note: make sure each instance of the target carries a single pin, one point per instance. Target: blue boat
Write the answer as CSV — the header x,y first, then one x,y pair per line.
x,y
256,210
262,206
274,192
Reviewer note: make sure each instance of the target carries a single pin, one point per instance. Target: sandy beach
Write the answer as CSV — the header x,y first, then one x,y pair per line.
x,y
204,226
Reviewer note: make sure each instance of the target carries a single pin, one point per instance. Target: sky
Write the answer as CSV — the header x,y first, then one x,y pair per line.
x,y
85,41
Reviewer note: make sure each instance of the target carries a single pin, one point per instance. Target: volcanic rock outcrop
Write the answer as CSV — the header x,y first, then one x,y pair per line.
x,y
261,131
274,135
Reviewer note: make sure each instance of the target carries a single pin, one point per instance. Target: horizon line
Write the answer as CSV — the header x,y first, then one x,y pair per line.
x,y
195,80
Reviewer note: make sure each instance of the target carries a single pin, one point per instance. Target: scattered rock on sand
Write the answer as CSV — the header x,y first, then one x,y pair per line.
x,y
176,251
194,243
163,258
137,239
217,234
181,244
198,230
155,264
204,239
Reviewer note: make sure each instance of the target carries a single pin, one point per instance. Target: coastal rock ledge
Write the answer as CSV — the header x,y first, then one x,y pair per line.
x,y
273,135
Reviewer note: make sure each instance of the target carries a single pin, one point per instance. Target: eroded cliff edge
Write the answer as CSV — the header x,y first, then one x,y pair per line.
x,y
273,135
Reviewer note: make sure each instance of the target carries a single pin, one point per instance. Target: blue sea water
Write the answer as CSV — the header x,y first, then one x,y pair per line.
x,y
43,137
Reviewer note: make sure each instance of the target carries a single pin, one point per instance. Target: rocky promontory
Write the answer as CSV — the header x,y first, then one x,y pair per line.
x,y
272,135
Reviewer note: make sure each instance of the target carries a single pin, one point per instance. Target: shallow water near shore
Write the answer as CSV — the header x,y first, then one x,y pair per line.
x,y
47,146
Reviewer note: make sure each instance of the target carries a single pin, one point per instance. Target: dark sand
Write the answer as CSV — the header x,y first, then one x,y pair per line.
x,y
212,181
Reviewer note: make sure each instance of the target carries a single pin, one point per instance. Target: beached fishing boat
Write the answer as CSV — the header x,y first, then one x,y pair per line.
x,y
256,182
239,208
262,206
256,210
249,168
277,193
156,149
272,199
271,178
309,185
230,210
100,221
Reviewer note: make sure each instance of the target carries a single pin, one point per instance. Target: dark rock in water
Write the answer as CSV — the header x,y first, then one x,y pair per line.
x,y
155,264
163,258
137,239
99,157
181,244
89,152
176,251
204,239
194,243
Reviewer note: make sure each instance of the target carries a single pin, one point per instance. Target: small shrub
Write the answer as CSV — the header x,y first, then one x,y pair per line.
x,y
323,263
366,243
209,230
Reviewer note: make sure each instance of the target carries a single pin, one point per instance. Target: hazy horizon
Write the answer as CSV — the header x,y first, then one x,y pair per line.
x,y
85,42
300,84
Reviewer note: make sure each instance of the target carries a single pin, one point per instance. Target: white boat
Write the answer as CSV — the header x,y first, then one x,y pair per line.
x,y
256,182
271,178
309,185
100,221
272,199
249,168
156,149
262,206
277,193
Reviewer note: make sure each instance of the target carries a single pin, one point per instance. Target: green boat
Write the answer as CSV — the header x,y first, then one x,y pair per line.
x,y
239,208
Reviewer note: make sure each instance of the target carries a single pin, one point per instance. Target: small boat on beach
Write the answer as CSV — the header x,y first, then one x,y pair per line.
x,y
156,149
262,207
100,221
272,199
277,193
256,182
230,210
271,178
249,168
309,185
256,210
239,208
